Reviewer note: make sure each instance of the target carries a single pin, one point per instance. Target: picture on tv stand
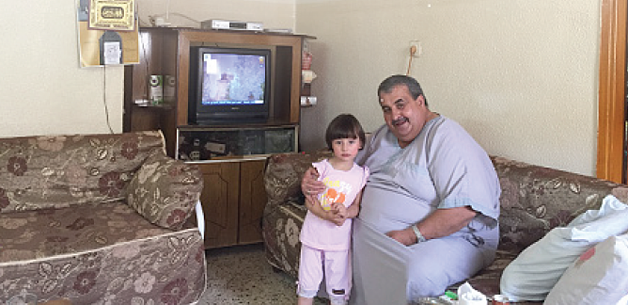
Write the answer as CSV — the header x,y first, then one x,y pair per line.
x,y
233,79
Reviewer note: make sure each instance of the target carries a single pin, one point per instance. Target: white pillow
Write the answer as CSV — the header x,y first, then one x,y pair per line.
x,y
597,277
536,270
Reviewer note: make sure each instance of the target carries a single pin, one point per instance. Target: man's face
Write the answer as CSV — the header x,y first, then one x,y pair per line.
x,y
404,115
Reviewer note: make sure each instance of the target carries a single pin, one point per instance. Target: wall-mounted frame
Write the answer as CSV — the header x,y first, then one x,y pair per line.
x,y
115,45
113,15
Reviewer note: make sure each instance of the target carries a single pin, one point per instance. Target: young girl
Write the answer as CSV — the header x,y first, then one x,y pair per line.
x,y
326,232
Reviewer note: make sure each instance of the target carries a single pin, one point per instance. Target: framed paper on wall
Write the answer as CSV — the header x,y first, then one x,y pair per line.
x,y
115,15
112,37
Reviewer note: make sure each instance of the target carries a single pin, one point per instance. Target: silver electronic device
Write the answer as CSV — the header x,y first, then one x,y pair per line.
x,y
218,24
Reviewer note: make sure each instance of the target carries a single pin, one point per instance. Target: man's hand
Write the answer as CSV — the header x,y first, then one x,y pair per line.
x,y
310,184
405,236
441,223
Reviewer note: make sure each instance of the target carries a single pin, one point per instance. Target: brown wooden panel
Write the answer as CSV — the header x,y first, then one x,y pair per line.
x,y
220,203
232,37
611,109
306,90
282,82
295,93
169,48
252,201
127,114
145,118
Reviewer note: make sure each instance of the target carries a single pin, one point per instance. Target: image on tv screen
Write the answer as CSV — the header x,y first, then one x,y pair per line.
x,y
233,79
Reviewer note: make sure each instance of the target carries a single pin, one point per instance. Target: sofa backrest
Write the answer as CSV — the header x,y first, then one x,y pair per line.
x,y
59,171
536,199
283,173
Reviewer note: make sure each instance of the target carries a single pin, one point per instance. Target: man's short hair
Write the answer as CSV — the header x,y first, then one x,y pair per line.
x,y
395,80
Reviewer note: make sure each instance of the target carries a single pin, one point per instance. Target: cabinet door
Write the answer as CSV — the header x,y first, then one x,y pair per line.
x,y
252,201
220,203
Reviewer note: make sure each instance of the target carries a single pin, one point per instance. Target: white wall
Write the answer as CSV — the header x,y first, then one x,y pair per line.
x,y
44,91
272,13
521,76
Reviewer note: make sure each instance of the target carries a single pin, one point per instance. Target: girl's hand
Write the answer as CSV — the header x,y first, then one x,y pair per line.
x,y
336,217
339,213
339,209
314,205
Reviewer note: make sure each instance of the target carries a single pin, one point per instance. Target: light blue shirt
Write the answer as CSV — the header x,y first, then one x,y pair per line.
x,y
444,167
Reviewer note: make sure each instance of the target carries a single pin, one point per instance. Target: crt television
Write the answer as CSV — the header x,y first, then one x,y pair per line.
x,y
228,85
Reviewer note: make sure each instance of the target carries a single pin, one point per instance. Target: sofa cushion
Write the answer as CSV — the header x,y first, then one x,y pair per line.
x,y
537,269
165,190
94,252
60,171
28,235
597,277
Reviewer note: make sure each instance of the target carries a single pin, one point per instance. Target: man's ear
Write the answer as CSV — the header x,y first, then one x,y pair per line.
x,y
421,99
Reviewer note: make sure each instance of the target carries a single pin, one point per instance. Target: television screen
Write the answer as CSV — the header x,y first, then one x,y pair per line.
x,y
228,85
233,79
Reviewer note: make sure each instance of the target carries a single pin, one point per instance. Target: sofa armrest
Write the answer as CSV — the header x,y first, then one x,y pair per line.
x,y
283,173
165,191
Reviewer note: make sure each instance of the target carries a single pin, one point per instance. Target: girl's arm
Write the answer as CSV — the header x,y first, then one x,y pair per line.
x,y
354,209
313,205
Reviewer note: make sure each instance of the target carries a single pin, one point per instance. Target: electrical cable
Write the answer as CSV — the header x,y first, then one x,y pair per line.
x,y
144,83
104,91
412,51
152,17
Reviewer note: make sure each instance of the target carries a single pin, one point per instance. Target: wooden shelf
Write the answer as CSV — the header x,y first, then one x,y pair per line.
x,y
233,198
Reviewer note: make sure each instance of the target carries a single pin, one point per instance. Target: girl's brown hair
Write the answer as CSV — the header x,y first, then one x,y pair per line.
x,y
344,126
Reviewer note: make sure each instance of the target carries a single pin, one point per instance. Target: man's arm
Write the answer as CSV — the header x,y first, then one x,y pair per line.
x,y
442,222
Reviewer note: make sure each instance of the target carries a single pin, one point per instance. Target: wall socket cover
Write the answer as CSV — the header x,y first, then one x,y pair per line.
x,y
419,48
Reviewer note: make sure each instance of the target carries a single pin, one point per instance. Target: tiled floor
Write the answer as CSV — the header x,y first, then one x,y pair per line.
x,y
241,275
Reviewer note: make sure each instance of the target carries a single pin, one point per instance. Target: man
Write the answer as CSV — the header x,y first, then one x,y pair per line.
x,y
429,210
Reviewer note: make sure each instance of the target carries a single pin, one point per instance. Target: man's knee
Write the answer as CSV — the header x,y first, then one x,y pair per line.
x,y
426,279
424,285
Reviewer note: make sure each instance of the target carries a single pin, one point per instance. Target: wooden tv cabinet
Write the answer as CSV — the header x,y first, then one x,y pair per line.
x,y
233,198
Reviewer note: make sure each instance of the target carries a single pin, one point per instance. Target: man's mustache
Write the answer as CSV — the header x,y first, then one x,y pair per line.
x,y
400,120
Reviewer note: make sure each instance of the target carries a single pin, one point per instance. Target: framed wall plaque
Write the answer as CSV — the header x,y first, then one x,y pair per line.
x,y
114,15
115,44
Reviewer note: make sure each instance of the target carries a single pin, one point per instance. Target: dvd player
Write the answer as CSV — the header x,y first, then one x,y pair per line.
x,y
217,24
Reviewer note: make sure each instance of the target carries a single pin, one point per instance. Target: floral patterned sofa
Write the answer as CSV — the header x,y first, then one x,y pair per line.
x,y
534,200
99,219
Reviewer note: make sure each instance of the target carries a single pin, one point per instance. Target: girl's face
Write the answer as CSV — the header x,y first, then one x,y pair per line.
x,y
345,149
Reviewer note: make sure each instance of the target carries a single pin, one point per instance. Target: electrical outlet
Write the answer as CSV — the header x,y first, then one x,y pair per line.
x,y
417,45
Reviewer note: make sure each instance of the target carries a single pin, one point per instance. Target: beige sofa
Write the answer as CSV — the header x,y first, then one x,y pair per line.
x,y
99,219
534,200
